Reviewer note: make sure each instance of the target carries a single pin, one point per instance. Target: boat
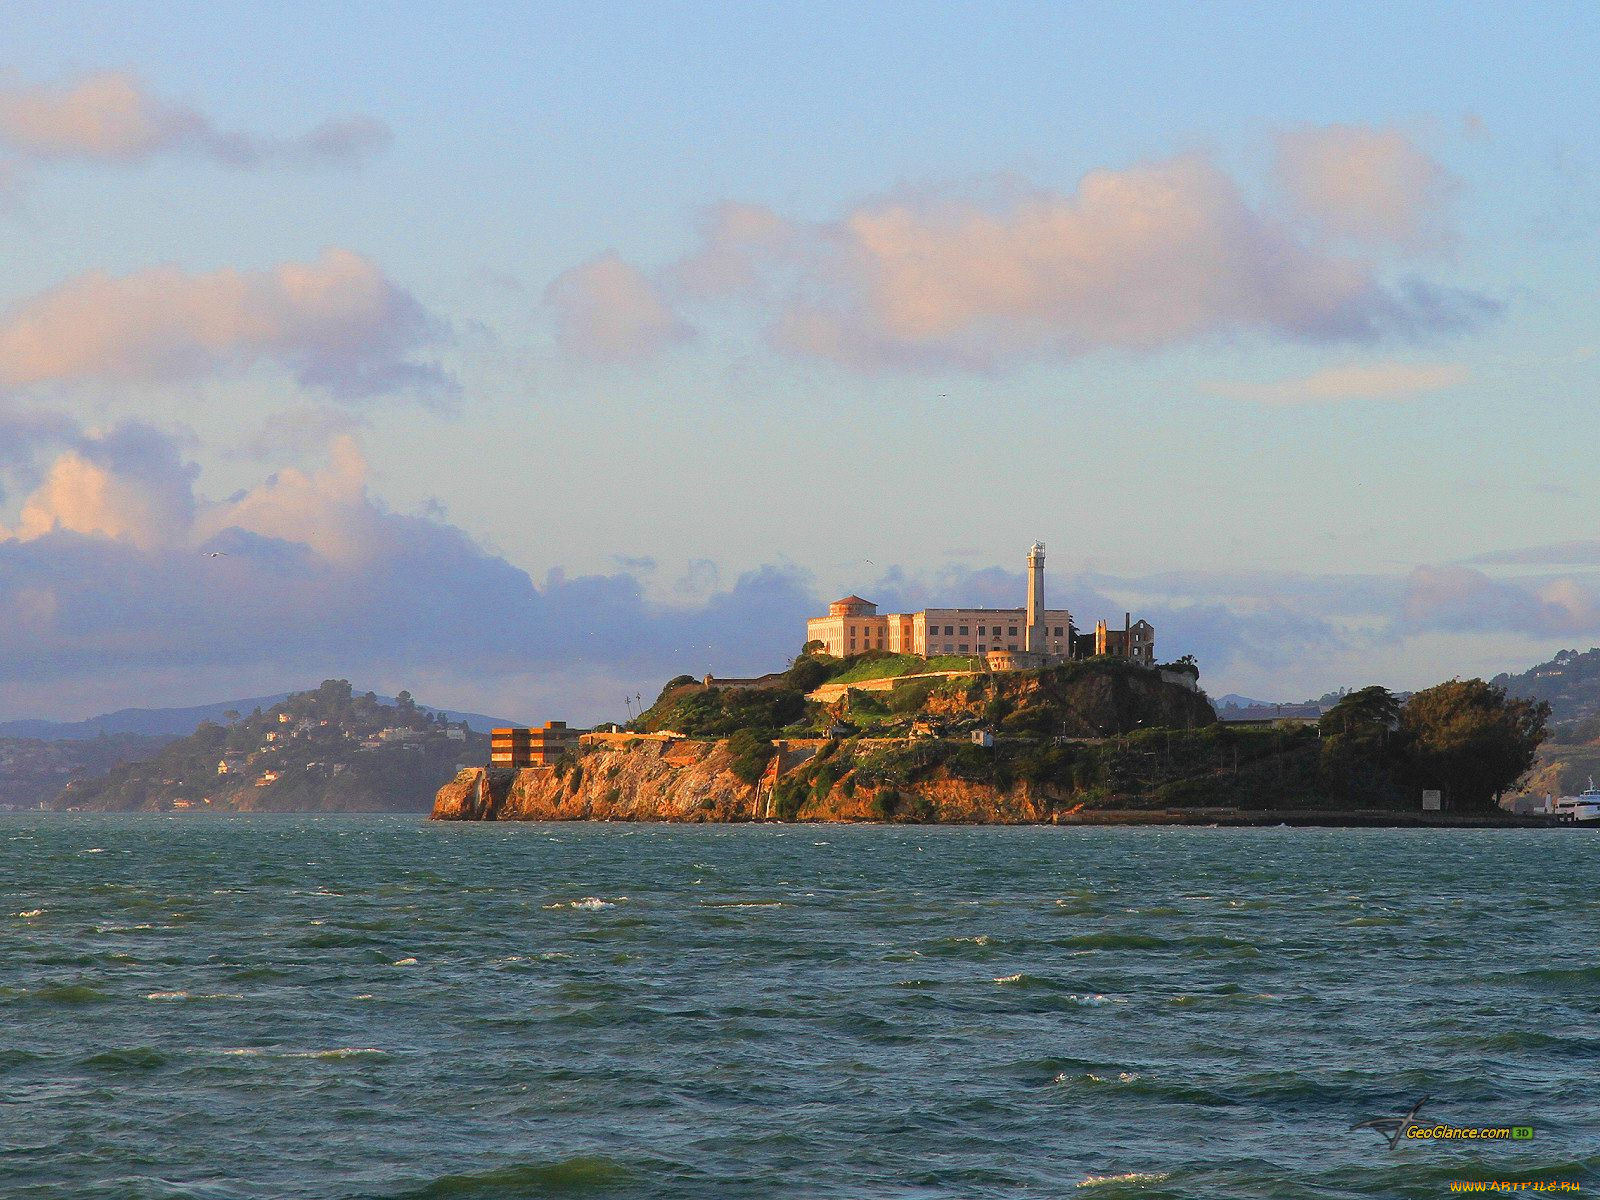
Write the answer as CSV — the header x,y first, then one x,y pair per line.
x,y
1585,806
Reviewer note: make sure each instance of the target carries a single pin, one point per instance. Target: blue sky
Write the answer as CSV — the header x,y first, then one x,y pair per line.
x,y
615,338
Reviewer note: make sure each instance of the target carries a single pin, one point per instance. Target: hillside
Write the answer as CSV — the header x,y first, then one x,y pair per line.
x,y
1569,683
1087,699
180,722
327,750
32,770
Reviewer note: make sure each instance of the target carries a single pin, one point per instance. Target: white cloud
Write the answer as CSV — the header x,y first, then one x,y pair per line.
x,y
982,277
1363,183
337,322
608,311
109,116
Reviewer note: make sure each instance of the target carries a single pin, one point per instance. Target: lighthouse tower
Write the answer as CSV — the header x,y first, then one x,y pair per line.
x,y
1035,637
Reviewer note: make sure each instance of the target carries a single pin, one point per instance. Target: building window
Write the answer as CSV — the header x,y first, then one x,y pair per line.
x,y
963,647
963,631
1058,631
948,630
1012,631
982,629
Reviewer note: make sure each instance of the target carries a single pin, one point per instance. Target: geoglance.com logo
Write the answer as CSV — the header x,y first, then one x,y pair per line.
x,y
1407,1128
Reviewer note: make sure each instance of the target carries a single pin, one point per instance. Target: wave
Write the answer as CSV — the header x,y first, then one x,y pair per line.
x,y
133,1058
588,904
1133,1177
68,993
569,1177
1115,941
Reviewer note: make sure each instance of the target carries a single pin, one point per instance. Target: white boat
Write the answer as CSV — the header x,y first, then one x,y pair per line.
x,y
1585,806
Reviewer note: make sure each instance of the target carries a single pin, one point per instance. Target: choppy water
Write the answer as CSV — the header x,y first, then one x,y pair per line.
x,y
379,1007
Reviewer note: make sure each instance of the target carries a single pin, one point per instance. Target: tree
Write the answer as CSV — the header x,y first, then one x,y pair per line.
x,y
1471,741
1371,712
1361,748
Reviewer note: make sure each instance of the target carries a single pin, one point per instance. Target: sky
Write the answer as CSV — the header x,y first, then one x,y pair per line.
x,y
525,356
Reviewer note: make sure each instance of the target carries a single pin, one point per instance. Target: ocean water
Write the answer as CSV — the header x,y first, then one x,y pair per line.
x,y
342,1007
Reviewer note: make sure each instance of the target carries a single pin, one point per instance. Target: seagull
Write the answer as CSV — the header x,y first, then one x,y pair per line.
x,y
215,553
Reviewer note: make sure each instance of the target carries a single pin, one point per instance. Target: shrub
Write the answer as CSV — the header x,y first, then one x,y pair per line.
x,y
751,750
911,697
787,797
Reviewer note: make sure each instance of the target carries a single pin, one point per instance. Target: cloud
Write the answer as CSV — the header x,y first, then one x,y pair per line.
x,y
986,275
108,578
110,116
1363,183
608,311
129,485
1457,599
1356,381
109,596
338,323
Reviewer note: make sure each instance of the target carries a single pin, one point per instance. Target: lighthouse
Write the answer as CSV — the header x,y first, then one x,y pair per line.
x,y
1035,638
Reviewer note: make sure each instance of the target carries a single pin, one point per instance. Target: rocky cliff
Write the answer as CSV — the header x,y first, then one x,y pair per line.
x,y
695,781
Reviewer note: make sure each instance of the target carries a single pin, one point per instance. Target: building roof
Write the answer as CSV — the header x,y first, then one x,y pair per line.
x,y
854,599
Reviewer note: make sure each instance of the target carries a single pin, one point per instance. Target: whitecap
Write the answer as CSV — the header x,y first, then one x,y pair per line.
x,y
588,903
1094,999
404,962
167,996
94,850
1010,978
1125,1177
31,912
981,940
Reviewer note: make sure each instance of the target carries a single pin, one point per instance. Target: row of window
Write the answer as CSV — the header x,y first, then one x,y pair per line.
x,y
983,630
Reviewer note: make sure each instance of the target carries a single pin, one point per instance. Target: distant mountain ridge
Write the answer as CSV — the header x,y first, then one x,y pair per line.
x,y
180,722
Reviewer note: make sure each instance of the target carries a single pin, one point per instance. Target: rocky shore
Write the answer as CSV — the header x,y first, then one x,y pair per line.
x,y
694,781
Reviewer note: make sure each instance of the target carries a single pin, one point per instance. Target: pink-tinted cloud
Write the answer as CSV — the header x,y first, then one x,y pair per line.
x,y
608,311
110,116
1461,599
1355,381
1358,182
1135,259
337,323
128,485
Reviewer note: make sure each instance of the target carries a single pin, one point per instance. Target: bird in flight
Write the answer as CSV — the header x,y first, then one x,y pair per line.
x,y
215,553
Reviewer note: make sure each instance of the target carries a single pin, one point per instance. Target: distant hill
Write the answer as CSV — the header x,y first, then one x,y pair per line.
x,y
329,750
179,722
1569,683
32,771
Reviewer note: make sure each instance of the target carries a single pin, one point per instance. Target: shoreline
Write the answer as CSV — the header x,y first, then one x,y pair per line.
x,y
1349,818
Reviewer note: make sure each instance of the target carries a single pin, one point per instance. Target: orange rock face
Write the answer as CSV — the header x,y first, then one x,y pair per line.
x,y
692,781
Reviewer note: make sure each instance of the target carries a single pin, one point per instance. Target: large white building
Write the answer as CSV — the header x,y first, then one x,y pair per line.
x,y
1031,635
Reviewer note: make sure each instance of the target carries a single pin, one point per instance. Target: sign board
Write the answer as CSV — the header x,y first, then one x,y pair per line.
x,y
1430,801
